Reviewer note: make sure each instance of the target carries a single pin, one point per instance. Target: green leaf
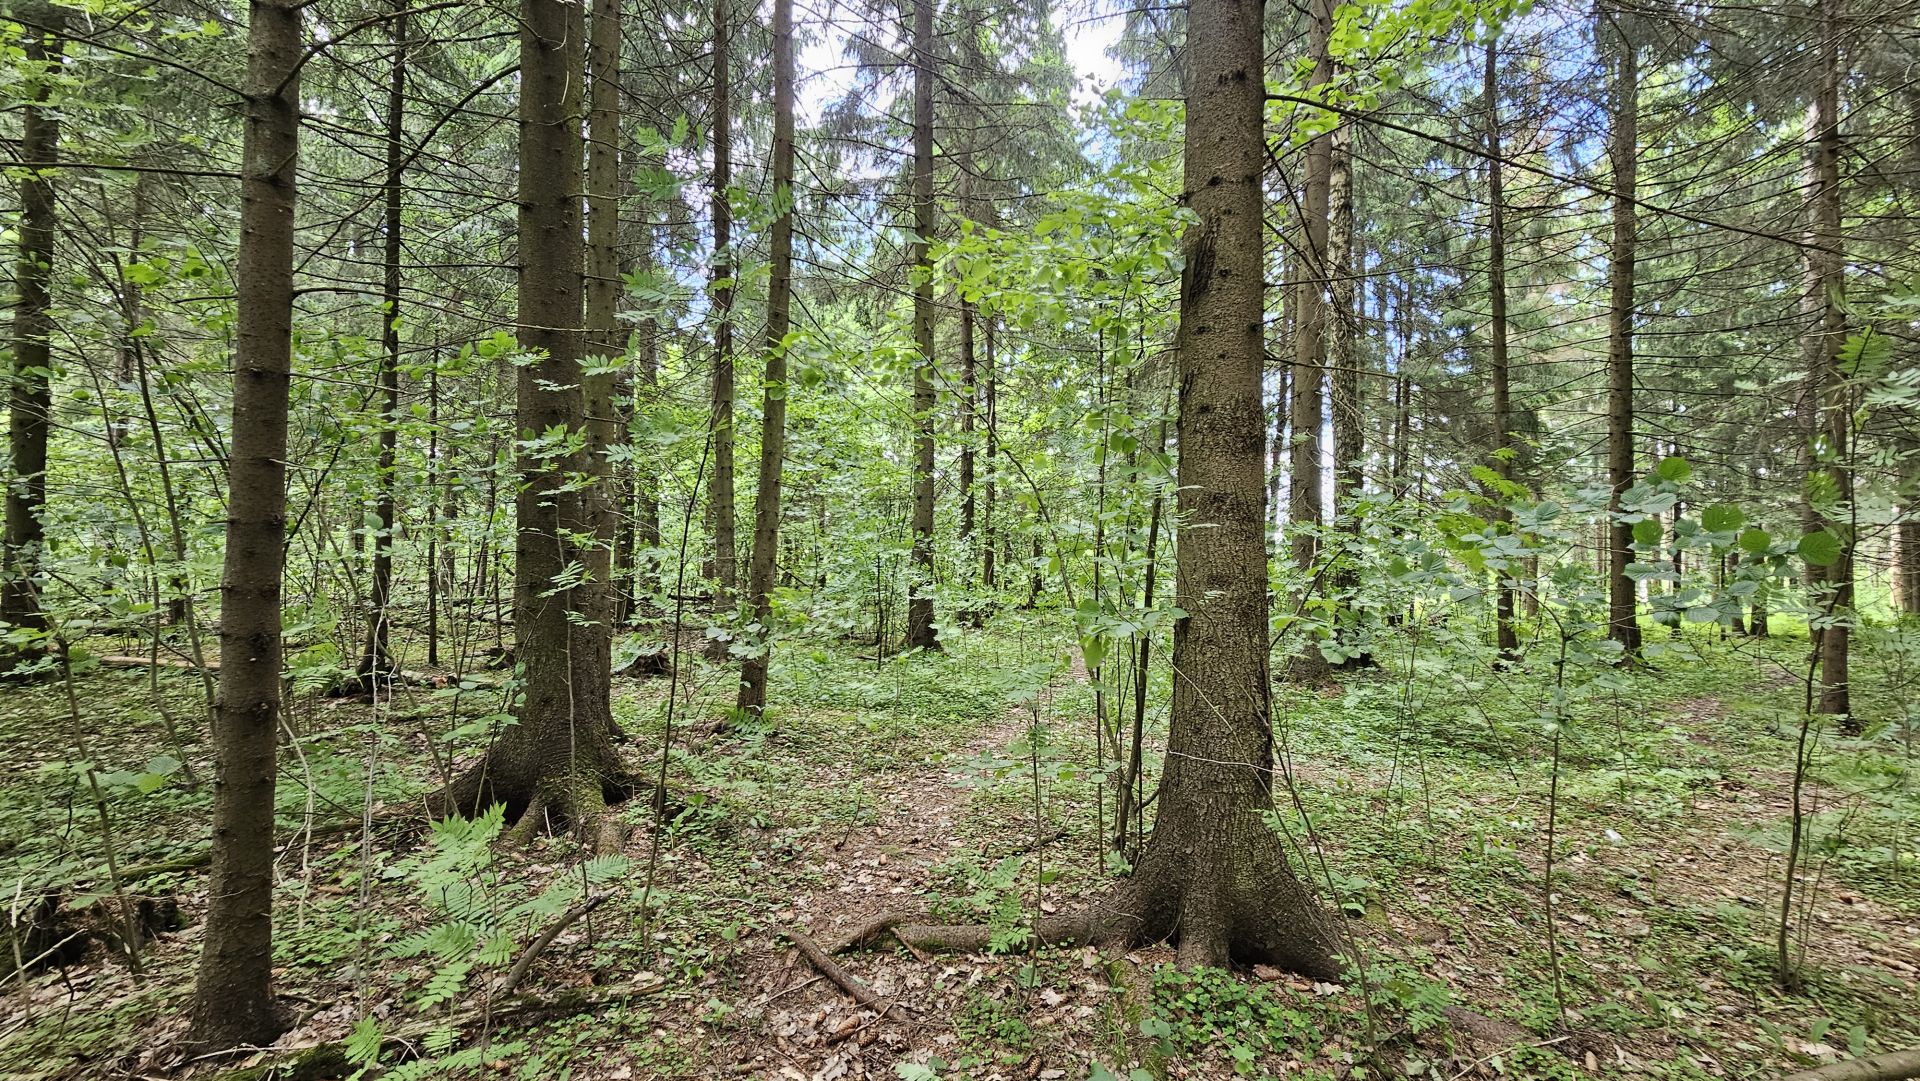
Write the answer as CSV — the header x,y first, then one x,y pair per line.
x,y
1820,548
1755,540
1721,518
1674,470
1646,531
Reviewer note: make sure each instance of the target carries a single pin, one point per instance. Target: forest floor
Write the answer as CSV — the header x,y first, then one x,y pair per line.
x,y
966,787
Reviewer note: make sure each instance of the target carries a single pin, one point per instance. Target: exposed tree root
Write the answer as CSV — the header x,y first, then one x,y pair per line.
x,y
1209,927
535,805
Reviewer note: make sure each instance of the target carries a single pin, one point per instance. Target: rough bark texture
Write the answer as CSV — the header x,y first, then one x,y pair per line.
x,y
773,429
1343,338
1833,589
1623,624
606,427
1213,876
1504,634
557,766
232,999
920,633
31,398
1304,501
992,481
375,664
720,516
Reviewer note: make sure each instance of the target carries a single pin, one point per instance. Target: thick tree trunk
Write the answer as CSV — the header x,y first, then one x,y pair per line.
x,y
920,632
606,426
725,570
31,396
773,429
1304,502
1623,624
232,999
557,766
1834,589
1504,634
375,663
1213,875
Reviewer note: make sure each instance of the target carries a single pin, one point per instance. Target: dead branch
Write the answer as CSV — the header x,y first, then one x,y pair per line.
x,y
865,934
1888,1066
831,969
519,970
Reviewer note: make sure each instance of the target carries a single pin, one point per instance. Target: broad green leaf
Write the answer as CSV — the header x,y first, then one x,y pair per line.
x,y
1675,470
1820,548
1721,518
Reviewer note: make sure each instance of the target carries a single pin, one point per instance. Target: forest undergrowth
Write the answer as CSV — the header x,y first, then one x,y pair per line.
x,y
967,787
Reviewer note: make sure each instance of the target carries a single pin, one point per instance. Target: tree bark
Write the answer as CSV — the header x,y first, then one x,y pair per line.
x,y
1505,636
601,287
375,663
992,482
1833,589
1304,502
720,498
232,999
920,631
556,767
969,376
773,430
1623,624
31,396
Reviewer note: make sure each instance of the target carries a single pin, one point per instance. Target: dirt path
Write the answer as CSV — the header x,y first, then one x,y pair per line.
x,y
802,1025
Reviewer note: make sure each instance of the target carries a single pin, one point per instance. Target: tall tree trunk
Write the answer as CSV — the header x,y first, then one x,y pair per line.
x,y
31,396
1623,624
992,481
1835,587
773,429
375,663
1304,502
920,632
969,376
556,767
606,426
720,515
1343,355
1213,875
1504,633
1343,341
232,997
1907,535
646,530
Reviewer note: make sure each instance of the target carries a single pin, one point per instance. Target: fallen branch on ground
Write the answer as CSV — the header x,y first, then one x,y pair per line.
x,y
1888,1066
831,969
865,934
519,970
